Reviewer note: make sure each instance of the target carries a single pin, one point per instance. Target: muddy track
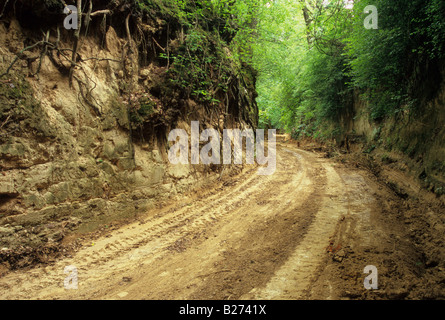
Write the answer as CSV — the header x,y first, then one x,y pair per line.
x,y
255,237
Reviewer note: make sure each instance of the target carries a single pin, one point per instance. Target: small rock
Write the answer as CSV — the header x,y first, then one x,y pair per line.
x,y
339,256
145,73
57,236
6,230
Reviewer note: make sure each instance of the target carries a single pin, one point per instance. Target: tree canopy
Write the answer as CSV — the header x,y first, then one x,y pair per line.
x,y
313,55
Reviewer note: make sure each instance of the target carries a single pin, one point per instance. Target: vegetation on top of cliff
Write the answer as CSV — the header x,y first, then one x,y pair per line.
x,y
213,43
313,55
207,51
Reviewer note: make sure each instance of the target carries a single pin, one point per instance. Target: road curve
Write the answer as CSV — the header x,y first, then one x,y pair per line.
x,y
252,237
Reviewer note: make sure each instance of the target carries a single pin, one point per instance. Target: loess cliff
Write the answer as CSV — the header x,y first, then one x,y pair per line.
x,y
85,115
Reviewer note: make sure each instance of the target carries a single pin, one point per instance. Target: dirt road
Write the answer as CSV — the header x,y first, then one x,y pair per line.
x,y
305,232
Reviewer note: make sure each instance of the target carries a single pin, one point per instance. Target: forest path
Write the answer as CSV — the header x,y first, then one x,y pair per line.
x,y
305,232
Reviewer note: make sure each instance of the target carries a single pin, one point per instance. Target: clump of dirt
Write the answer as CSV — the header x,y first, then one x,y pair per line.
x,y
25,256
411,259
26,246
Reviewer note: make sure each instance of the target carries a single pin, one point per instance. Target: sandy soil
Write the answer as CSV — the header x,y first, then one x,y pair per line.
x,y
305,232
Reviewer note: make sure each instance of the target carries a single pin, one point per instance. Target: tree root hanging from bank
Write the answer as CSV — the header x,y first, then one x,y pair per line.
x,y
66,60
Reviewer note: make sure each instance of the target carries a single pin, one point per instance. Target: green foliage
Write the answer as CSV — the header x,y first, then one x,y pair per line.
x,y
302,77
200,66
141,108
383,61
215,41
326,80
312,55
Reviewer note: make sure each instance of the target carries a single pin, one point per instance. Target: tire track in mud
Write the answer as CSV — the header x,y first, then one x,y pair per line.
x,y
145,242
294,277
155,230
261,237
267,246
257,191
221,260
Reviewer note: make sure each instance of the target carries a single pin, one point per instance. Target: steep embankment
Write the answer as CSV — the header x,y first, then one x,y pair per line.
x,y
413,141
83,141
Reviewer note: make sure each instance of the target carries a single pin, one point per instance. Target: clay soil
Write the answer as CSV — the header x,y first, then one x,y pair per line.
x,y
305,232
